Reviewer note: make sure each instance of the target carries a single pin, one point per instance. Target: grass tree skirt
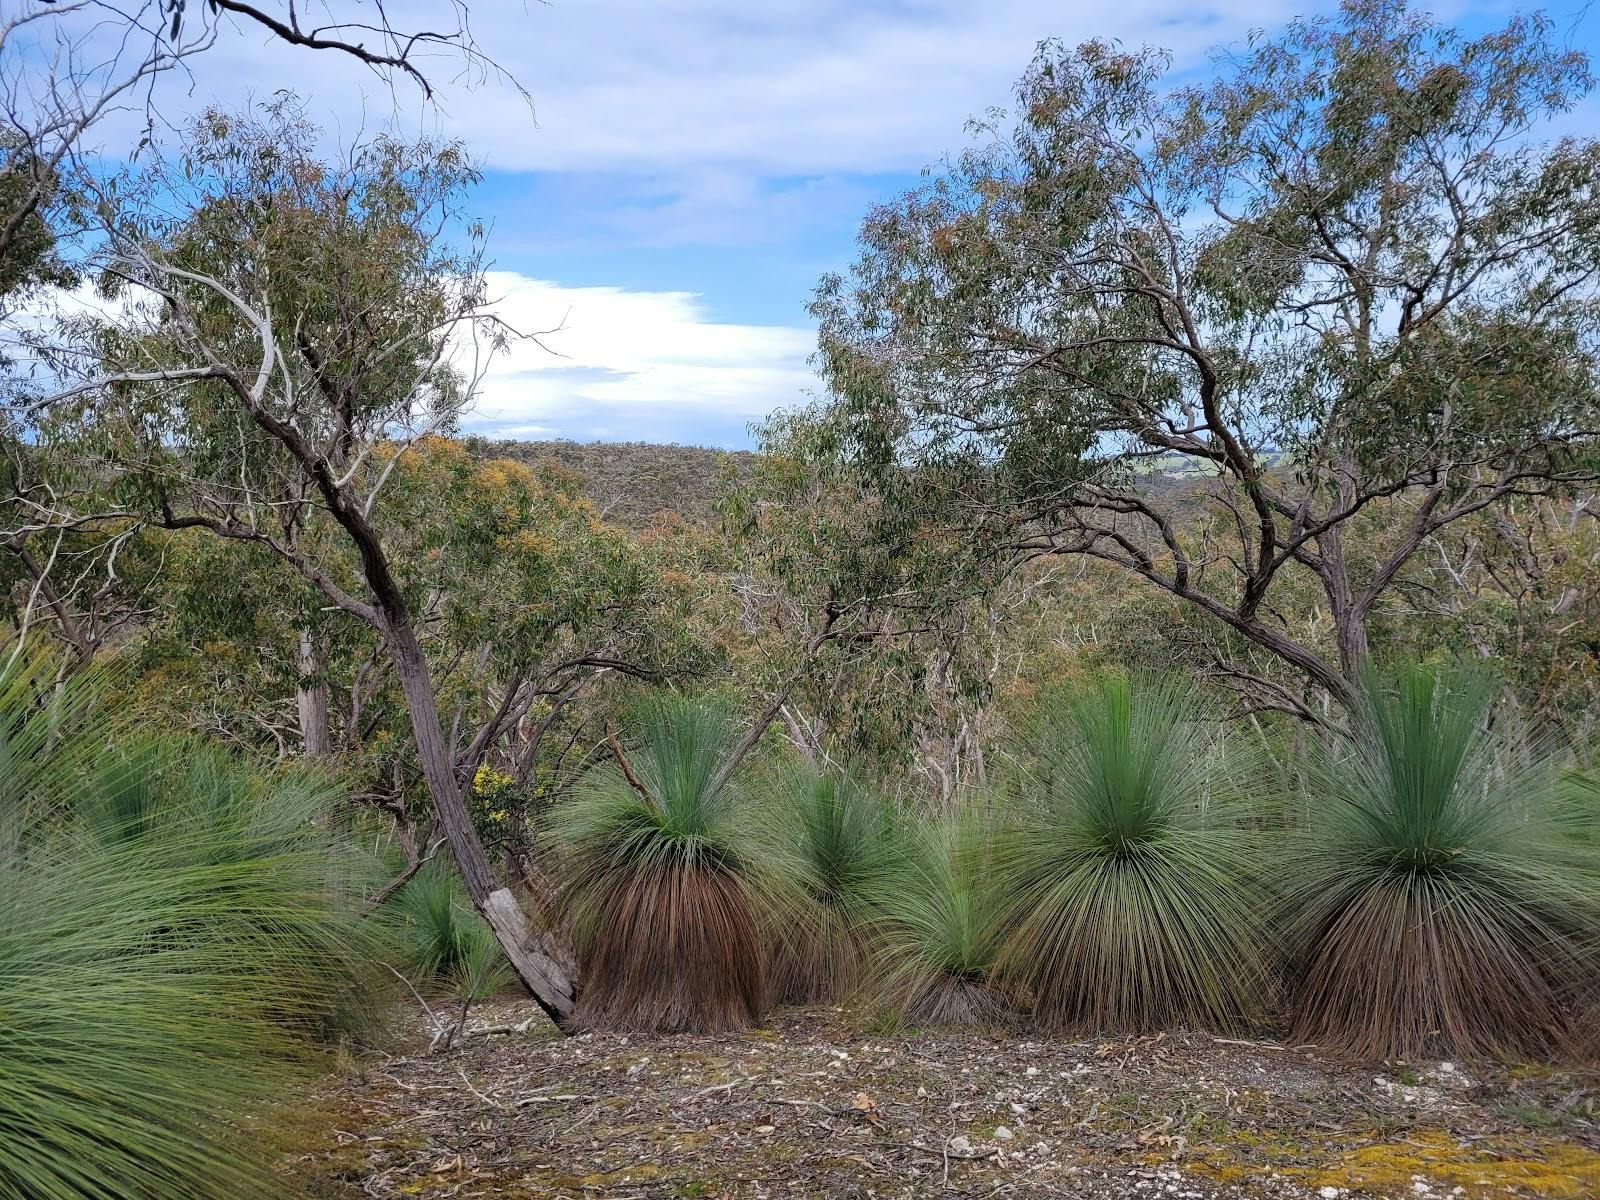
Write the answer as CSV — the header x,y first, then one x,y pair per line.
x,y
953,1000
820,964
1410,971
674,950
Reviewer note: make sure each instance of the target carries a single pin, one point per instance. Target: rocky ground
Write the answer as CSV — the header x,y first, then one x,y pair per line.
x,y
816,1105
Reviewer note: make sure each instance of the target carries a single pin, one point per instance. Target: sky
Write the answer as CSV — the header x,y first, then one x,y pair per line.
x,y
689,168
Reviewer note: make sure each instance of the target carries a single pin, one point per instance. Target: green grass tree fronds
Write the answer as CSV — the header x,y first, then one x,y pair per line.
x,y
933,923
135,1059
1127,885
1442,900
839,831
177,934
445,945
661,883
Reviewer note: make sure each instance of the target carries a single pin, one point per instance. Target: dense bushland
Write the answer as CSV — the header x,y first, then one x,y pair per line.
x,y
1179,609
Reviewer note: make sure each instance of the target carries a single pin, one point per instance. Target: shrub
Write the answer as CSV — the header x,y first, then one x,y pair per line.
x,y
933,927
660,882
838,830
176,932
1438,902
1128,901
444,942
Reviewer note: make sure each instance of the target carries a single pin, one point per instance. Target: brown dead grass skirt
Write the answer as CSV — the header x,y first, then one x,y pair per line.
x,y
947,1000
820,963
1407,974
675,951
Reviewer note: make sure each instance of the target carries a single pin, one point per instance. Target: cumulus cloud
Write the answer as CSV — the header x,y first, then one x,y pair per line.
x,y
632,365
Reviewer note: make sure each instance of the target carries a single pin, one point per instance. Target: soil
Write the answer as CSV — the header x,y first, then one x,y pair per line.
x,y
826,1103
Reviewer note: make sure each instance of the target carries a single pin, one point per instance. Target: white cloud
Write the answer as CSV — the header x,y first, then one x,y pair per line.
x,y
632,365
780,87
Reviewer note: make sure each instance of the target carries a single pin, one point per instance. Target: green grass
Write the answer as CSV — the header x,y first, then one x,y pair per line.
x,y
839,832
178,936
445,944
933,923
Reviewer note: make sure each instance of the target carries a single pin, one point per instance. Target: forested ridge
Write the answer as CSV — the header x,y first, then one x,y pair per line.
x,y
629,483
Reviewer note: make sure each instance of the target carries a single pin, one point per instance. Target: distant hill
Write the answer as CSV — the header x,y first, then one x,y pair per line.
x,y
630,482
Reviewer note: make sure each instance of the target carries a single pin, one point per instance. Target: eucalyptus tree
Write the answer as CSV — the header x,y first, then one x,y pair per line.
x,y
860,628
86,82
68,66
281,332
1197,334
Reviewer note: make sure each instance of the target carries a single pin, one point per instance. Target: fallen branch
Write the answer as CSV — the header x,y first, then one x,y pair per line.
x,y
547,1098
400,880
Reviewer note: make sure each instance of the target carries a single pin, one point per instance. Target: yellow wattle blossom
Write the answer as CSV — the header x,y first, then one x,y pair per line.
x,y
486,781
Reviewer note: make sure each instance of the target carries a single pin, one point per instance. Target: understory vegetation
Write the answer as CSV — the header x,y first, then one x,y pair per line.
x,y
1178,609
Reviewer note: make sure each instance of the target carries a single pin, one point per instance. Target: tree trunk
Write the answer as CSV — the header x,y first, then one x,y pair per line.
x,y
548,979
311,698
1349,621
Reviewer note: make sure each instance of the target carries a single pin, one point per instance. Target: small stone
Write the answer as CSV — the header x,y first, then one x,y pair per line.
x,y
1003,1133
766,1128
960,1145
1328,1193
1031,1071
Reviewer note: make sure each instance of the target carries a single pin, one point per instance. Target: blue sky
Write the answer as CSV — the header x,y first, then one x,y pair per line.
x,y
692,166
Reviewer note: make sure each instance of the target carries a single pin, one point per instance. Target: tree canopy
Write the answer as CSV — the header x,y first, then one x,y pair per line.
x,y
1197,334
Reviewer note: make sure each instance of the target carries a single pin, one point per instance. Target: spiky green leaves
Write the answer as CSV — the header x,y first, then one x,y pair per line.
x,y
1127,887
1440,898
175,929
836,830
661,881
933,923
444,941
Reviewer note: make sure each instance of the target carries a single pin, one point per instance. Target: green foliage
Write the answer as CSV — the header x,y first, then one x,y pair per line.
x,y
1347,274
177,931
1441,900
933,922
840,831
444,941
662,879
611,828
1128,889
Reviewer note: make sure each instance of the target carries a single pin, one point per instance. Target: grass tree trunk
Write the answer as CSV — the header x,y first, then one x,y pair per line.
x,y
546,977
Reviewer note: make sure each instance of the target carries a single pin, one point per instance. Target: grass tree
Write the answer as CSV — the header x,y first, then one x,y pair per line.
x,y
445,944
1441,899
933,923
1128,901
838,829
662,890
177,934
